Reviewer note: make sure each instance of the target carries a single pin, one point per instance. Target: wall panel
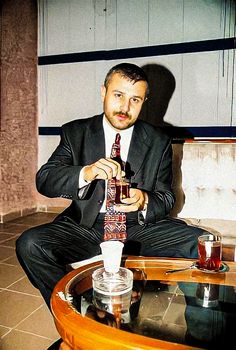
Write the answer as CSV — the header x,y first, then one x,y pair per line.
x,y
165,21
72,96
132,23
203,19
199,101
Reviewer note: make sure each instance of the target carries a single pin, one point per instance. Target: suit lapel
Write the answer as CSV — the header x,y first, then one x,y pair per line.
x,y
139,147
95,150
95,141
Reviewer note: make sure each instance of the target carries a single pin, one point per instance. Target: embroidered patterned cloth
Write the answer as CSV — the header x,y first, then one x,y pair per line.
x,y
114,222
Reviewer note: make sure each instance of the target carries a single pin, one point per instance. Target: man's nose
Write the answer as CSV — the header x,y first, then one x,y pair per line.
x,y
125,106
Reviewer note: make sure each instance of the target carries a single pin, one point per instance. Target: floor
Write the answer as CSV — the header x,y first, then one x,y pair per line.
x,y
25,321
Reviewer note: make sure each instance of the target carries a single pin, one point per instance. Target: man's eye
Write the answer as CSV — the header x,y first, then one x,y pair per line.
x,y
118,95
135,100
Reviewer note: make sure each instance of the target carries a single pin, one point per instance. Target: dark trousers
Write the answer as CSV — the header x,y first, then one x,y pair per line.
x,y
45,251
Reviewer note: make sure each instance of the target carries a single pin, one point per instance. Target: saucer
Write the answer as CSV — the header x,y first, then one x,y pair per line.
x,y
223,268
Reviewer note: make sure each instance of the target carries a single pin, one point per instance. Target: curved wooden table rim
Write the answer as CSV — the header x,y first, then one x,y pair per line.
x,y
79,332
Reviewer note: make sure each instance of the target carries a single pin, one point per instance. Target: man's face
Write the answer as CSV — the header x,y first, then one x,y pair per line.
x,y
123,100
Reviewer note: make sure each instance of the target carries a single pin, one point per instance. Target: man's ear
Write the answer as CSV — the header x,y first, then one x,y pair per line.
x,y
103,92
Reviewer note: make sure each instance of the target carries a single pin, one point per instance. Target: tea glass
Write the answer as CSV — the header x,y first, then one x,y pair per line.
x,y
122,190
209,252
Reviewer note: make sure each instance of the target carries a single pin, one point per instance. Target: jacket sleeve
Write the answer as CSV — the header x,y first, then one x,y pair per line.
x,y
161,198
59,177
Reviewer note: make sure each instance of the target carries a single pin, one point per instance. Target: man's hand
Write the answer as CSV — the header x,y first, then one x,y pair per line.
x,y
138,201
103,169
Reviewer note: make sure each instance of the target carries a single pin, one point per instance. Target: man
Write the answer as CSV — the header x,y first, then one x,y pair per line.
x,y
79,169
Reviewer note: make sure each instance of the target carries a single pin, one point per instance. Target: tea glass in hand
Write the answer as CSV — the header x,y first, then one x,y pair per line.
x,y
122,190
209,252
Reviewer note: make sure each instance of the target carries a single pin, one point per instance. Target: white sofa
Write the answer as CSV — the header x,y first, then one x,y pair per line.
x,y
205,186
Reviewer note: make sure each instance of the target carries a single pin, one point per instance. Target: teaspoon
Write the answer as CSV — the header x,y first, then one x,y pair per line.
x,y
193,266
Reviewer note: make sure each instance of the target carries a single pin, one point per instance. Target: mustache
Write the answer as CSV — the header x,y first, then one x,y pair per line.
x,y
123,113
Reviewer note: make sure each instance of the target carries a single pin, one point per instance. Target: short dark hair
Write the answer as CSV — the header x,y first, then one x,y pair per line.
x,y
129,71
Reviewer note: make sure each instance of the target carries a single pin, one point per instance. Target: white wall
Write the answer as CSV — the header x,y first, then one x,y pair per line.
x,y
87,25
204,81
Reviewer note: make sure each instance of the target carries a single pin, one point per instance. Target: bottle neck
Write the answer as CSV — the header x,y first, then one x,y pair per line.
x,y
115,151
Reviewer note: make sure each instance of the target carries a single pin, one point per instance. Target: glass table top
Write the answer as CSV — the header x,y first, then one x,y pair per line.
x,y
198,314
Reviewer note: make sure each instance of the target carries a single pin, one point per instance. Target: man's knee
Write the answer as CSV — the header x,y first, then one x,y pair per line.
x,y
26,242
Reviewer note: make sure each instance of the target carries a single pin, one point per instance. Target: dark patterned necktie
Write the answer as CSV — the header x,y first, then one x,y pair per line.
x,y
114,222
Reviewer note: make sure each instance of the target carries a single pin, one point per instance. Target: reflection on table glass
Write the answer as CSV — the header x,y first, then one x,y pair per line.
x,y
197,314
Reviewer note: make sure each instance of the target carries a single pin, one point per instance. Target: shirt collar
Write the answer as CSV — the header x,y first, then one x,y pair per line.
x,y
108,130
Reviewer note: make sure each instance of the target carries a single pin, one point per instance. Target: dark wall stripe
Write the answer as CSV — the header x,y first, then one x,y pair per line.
x,y
146,51
174,132
49,130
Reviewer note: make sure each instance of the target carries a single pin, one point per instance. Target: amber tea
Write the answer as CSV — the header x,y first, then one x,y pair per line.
x,y
209,252
122,191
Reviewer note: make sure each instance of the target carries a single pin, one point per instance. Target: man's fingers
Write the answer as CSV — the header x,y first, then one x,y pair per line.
x,y
103,169
100,173
133,203
116,168
106,169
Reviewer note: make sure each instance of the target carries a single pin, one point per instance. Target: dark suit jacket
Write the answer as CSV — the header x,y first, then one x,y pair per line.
x,y
82,143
